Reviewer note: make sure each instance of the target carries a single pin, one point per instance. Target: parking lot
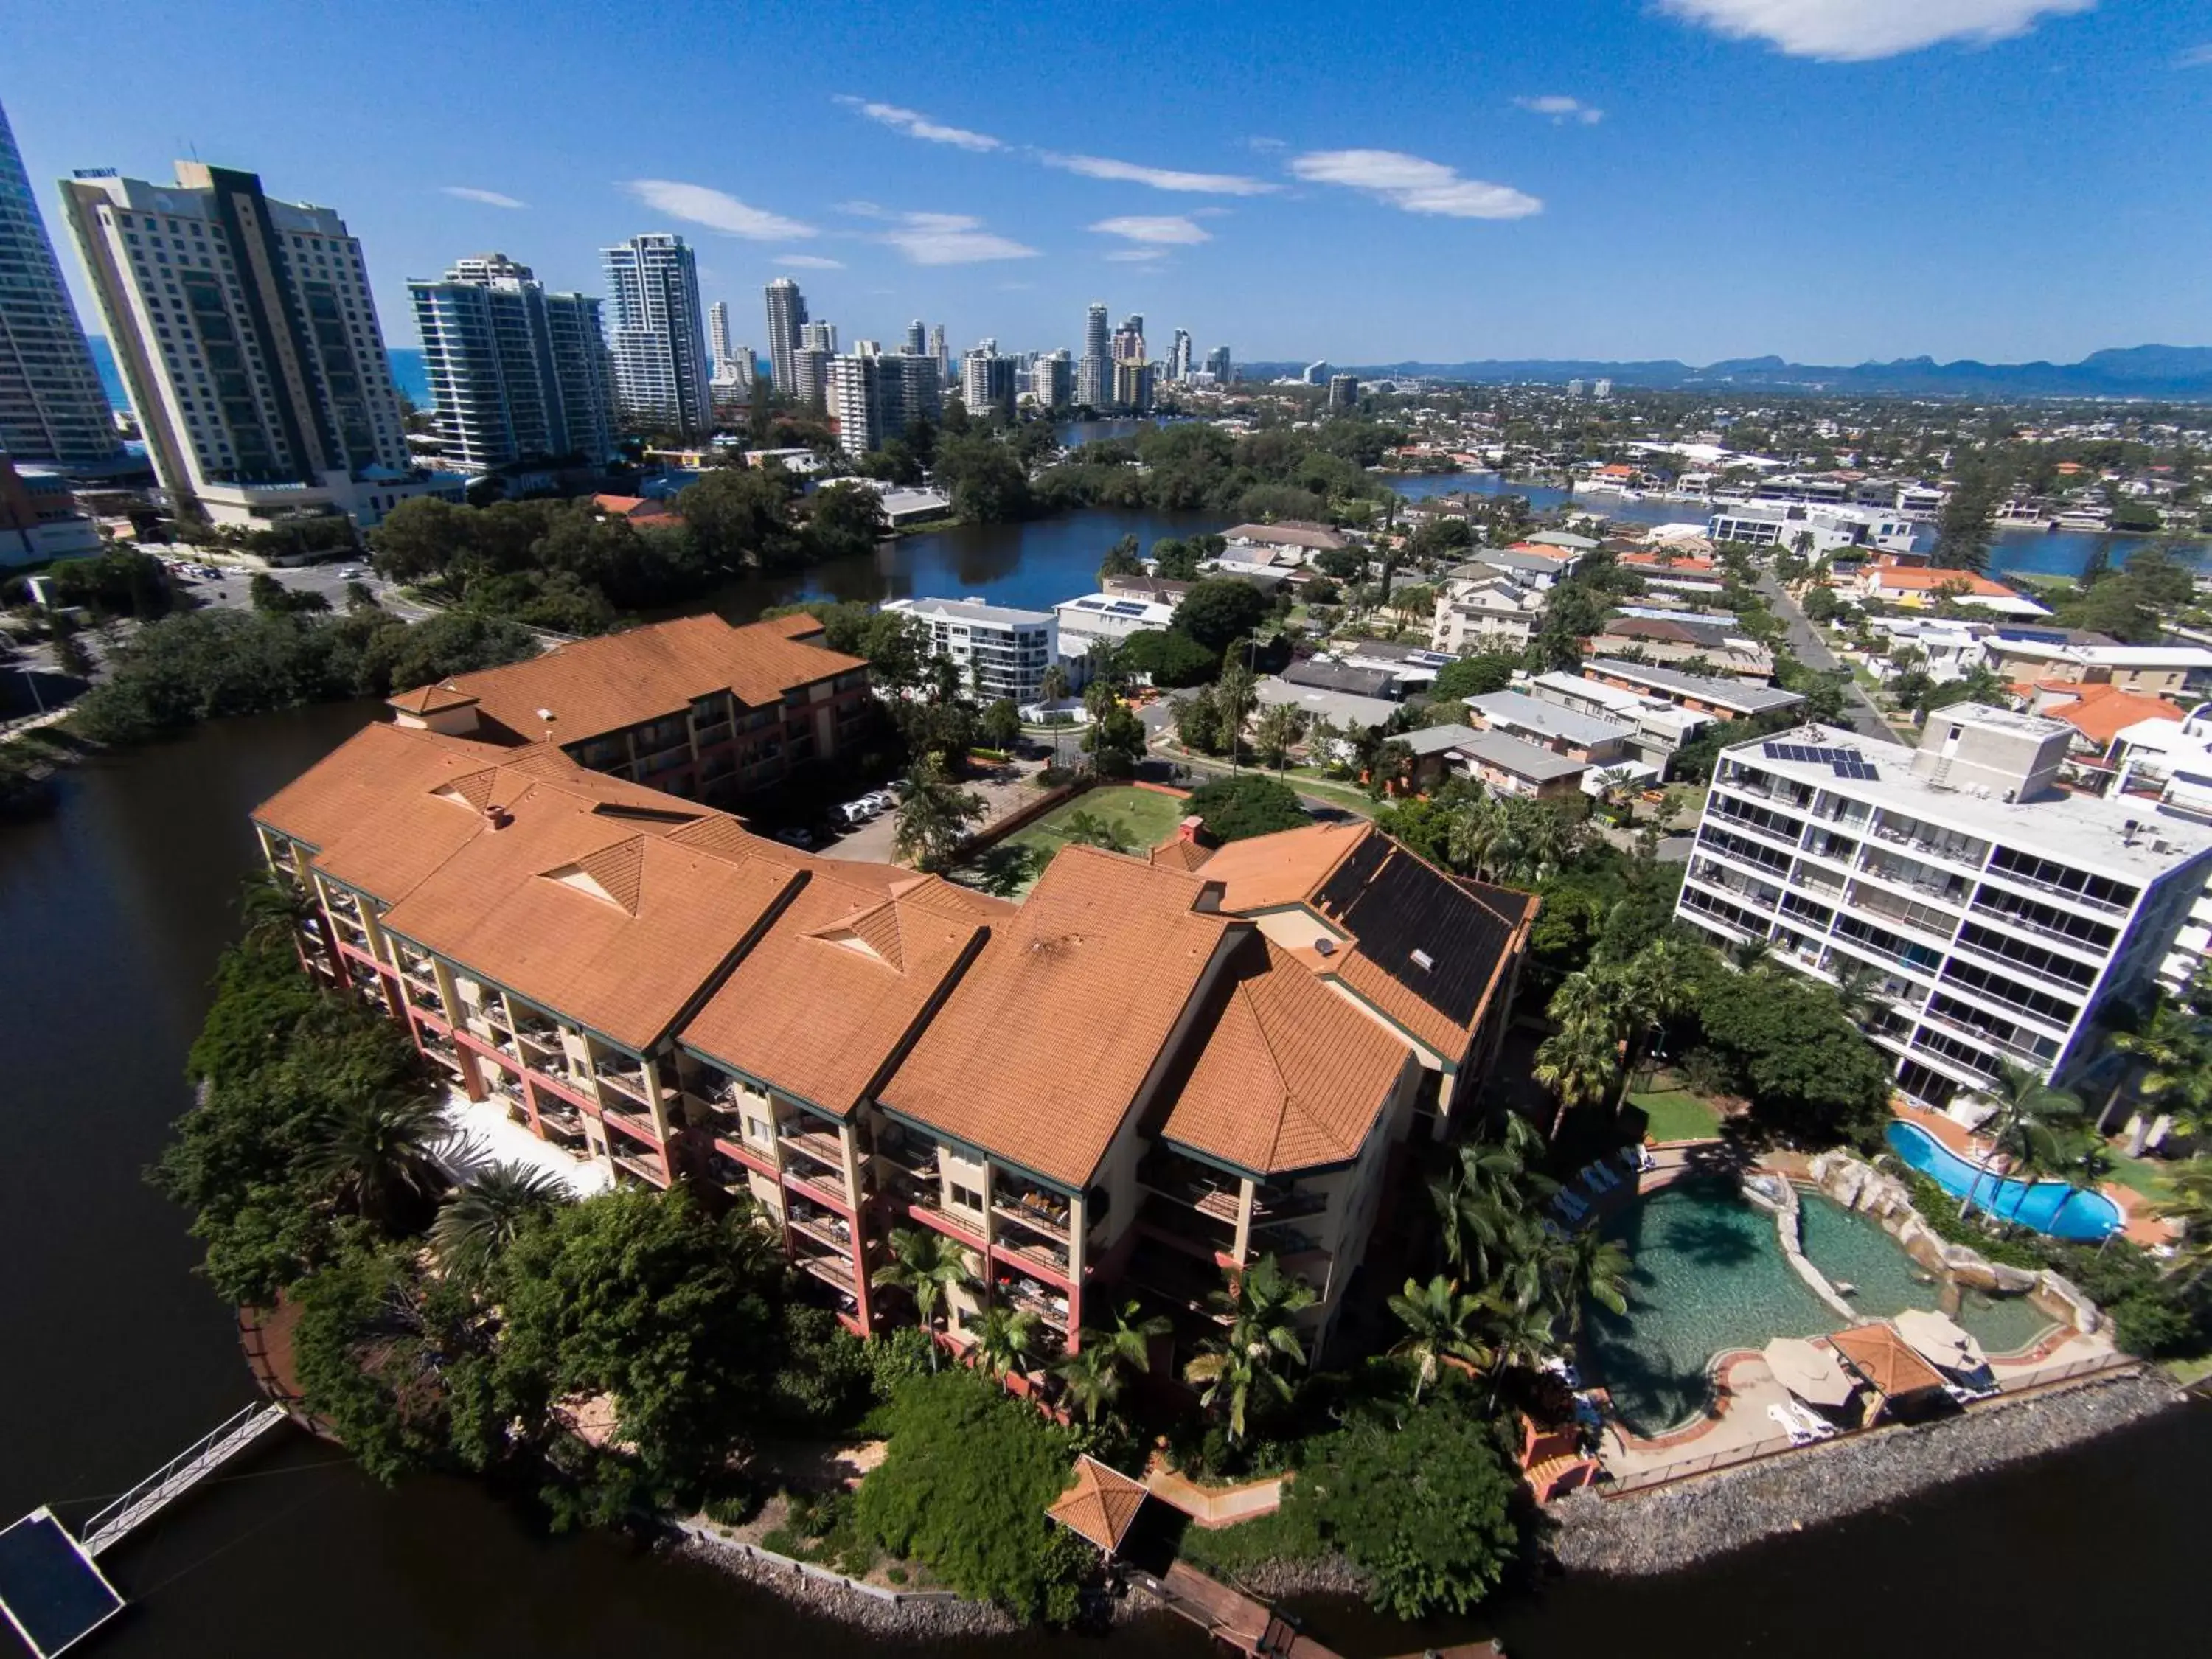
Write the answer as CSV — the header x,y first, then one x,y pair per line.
x,y
1004,789
231,583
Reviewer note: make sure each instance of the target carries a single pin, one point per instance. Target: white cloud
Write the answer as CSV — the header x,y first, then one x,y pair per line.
x,y
1560,110
489,198
1167,228
915,125
810,262
2195,58
951,238
1265,144
1132,255
1415,184
717,210
1854,31
1208,184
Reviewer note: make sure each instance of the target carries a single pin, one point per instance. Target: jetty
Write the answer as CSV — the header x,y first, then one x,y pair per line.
x,y
51,1589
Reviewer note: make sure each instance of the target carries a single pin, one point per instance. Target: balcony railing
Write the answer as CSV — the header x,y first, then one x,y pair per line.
x,y
819,1144
1040,1213
1048,1305
834,1271
1050,1257
833,1230
645,1168
1982,1034
1273,1204
2015,965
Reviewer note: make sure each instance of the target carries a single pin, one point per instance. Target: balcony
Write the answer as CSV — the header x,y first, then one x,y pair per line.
x,y
1048,1305
1185,1181
1271,1205
837,1271
1982,1034
626,1078
1044,1213
832,1231
824,1146
638,1125
708,735
645,1166
2012,965
1049,1258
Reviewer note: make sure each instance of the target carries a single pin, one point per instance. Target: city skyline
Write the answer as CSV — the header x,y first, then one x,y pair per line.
x,y
1567,189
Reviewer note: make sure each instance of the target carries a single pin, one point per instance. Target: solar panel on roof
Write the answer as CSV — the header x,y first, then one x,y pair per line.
x,y
1852,766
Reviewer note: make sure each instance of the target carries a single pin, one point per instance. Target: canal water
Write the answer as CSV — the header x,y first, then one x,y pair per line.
x,y
111,911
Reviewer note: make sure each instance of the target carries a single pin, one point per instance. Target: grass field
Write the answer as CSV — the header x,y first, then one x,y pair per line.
x,y
1671,1115
1143,818
2146,1175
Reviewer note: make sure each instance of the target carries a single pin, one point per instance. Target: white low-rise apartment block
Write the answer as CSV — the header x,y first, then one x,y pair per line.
x,y
2004,914
1489,613
1097,619
1000,651
1656,728
1810,527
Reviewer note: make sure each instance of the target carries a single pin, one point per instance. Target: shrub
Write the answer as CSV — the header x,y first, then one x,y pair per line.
x,y
1248,804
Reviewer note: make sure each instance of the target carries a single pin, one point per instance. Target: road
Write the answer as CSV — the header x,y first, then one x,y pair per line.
x,y
1813,651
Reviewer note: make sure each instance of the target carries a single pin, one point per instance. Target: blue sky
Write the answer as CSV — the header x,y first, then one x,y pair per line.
x,y
1829,179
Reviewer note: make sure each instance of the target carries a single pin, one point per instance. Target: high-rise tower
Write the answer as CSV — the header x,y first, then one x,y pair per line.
x,y
657,334
51,407
516,374
720,351
787,315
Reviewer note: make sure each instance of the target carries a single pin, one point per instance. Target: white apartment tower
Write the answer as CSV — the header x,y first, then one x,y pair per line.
x,y
2002,915
248,339
1217,364
1179,356
721,354
1094,371
987,382
1001,651
516,374
916,339
854,397
787,315
51,406
658,334
1052,381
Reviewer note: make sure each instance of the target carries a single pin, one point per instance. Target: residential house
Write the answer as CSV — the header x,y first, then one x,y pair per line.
x,y
1493,612
1291,542
1656,728
1507,766
1349,712
1917,586
1686,638
1701,694
1320,675
2154,670
1595,739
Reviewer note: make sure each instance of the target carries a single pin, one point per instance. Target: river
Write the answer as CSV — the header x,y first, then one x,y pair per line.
x,y
113,908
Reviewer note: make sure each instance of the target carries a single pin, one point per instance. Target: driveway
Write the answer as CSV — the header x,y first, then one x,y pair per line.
x,y
1813,651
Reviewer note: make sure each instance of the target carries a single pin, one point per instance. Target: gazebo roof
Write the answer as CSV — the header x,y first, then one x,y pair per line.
x,y
1101,1506
1886,1359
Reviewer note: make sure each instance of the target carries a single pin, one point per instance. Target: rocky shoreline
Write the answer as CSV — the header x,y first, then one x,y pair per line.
x,y
1678,1526
910,1619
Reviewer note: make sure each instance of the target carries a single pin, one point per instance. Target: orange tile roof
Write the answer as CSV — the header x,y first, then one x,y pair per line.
x,y
1101,1506
1178,851
1884,1360
1886,572
631,506
604,684
834,989
1356,878
429,700
1291,1076
362,774
2101,711
598,918
1041,1048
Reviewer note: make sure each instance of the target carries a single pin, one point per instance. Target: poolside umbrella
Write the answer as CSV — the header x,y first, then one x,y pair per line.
x,y
1809,1372
1939,1340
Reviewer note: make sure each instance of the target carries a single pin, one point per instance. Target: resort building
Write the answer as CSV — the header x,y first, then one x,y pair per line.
x,y
695,709
516,374
2002,915
1151,1071
1699,693
1108,618
1810,528
1000,651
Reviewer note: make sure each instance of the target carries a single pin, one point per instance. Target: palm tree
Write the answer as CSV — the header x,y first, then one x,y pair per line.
x,y
2190,1204
1578,1064
1277,731
2028,1113
1587,1267
1263,1305
273,908
1054,686
475,1225
934,816
1005,1340
1478,837
2078,1156
1521,1336
377,1154
1858,990
1086,829
1748,956
1234,697
1439,1320
1656,981
925,1265
1092,1377
2174,1048
1097,1371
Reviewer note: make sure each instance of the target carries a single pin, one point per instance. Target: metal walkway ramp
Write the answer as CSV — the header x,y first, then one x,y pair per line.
x,y
177,1476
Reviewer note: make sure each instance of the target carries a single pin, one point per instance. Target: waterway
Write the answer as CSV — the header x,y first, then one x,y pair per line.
x,y
112,909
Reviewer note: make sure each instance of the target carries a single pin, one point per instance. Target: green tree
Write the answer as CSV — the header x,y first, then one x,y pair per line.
x,y
1263,1308
377,1155
927,1265
1114,741
1001,723
1096,1372
1234,699
1121,560
1198,724
1085,828
1426,1509
1477,675
1218,611
1006,1341
845,520
964,1488
374,1363
741,517
1169,658
1440,1320
477,1225
1278,731
1236,808
934,816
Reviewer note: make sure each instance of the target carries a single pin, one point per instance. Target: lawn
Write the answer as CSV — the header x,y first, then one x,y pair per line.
x,y
1144,817
1672,1114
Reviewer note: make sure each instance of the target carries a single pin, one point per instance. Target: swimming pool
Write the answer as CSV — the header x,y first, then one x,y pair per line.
x,y
2048,1207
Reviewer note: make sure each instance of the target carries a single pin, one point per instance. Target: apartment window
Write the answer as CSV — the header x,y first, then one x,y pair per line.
x,y
967,1197
757,1129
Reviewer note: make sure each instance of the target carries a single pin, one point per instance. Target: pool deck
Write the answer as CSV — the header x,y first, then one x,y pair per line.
x,y
2138,1225
1736,1427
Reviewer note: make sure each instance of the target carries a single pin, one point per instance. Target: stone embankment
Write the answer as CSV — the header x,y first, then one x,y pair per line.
x,y
894,1615
1676,1526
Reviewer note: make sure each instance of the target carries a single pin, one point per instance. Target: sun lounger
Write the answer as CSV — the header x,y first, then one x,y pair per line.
x,y
1814,1425
1569,1208
1607,1178
1798,1433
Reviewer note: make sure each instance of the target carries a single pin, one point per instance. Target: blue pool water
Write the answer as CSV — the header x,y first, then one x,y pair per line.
x,y
2048,1207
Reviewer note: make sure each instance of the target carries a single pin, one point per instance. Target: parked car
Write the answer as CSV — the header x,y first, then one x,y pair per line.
x,y
794,837
883,801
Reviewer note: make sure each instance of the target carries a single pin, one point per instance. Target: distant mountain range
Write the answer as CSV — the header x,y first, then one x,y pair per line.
x,y
2181,373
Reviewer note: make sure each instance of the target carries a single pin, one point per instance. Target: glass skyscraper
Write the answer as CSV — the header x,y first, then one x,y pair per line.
x,y
51,406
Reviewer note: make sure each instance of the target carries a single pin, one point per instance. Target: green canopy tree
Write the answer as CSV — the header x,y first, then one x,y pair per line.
x,y
934,816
